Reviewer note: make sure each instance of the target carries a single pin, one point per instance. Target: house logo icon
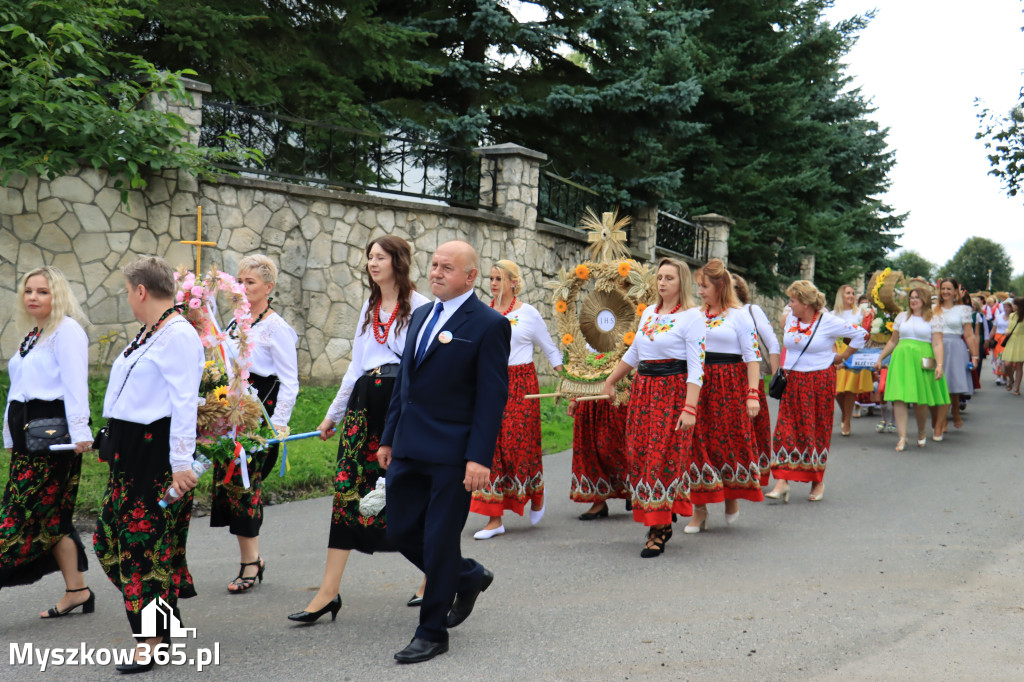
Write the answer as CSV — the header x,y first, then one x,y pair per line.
x,y
157,617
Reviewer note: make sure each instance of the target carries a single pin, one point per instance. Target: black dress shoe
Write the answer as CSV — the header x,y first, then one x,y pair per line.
x,y
130,668
420,650
312,616
600,514
464,602
415,600
629,505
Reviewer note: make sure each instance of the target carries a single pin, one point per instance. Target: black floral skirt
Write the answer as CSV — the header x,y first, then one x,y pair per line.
x,y
38,502
357,471
140,546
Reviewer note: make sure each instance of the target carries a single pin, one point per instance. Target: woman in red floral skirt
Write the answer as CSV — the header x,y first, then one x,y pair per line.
x,y
724,464
767,341
598,456
517,474
803,430
668,353
359,410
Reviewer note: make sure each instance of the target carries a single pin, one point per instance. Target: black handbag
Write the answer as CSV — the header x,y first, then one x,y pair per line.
x,y
777,386
40,434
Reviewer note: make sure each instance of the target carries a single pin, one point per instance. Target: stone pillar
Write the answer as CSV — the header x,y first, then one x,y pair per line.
x,y
645,231
718,227
807,267
859,284
515,187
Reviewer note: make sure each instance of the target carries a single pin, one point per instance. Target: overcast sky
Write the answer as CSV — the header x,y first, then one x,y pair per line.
x,y
923,64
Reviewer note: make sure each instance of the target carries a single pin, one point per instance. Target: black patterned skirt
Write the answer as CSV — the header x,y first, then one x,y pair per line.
x,y
357,470
517,471
267,389
140,546
724,462
658,480
38,502
803,431
599,455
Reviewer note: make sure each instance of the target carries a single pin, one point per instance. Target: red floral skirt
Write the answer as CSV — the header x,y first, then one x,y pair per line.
x,y
599,452
763,436
803,431
517,474
658,454
723,463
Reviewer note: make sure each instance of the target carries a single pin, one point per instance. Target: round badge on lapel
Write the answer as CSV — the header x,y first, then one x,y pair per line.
x,y
444,337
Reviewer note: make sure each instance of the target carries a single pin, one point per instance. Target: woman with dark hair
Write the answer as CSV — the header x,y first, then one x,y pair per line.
x,y
723,462
48,380
916,340
849,382
766,340
668,353
274,374
360,408
517,472
961,350
803,429
151,405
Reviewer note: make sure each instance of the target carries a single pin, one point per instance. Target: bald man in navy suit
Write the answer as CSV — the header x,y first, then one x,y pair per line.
x,y
439,439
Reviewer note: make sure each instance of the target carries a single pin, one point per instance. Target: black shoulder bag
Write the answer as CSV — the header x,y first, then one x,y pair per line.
x,y
777,386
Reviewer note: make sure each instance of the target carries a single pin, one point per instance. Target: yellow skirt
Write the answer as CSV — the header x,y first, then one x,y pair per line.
x,y
854,381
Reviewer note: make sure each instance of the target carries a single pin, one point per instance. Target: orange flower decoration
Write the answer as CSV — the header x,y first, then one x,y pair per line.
x,y
582,272
624,269
560,306
629,337
567,339
640,308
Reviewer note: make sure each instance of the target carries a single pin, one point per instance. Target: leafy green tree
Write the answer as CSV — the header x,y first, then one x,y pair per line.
x,y
325,60
913,264
1017,285
1004,140
66,96
973,260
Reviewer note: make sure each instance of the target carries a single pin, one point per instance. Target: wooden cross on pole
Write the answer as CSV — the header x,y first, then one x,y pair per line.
x,y
199,243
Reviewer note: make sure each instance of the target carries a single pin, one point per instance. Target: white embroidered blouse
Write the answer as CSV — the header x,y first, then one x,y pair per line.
x,y
528,328
732,331
367,354
57,368
677,336
916,327
273,353
765,331
161,379
820,353
953,319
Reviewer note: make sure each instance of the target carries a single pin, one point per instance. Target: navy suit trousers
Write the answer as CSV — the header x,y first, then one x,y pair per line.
x,y
427,509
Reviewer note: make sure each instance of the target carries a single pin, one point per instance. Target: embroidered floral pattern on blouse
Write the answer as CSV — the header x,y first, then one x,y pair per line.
x,y
716,321
757,348
657,325
513,320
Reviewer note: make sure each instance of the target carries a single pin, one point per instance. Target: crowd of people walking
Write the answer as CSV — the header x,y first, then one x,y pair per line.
x,y
438,408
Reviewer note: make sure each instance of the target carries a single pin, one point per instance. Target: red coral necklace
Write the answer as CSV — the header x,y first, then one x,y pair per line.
x,y
513,305
657,309
382,329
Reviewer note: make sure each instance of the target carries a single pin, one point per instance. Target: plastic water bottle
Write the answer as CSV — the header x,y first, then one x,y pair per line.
x,y
199,465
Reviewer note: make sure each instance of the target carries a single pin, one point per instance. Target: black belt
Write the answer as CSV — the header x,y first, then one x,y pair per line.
x,y
390,370
661,369
722,358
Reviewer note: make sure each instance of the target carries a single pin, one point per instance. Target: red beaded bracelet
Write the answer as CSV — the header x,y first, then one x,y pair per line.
x,y
689,410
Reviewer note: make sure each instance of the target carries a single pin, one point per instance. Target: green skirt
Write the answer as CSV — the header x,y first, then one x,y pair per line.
x,y
908,382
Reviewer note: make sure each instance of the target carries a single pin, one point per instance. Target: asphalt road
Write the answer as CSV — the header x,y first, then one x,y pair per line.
x,y
912,568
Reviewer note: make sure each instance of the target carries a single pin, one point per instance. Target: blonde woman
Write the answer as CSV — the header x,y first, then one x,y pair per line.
x,y
803,430
668,354
517,474
274,374
849,382
48,380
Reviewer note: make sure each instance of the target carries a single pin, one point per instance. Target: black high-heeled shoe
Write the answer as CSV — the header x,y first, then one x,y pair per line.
x,y
600,514
88,606
656,537
244,583
312,616
134,667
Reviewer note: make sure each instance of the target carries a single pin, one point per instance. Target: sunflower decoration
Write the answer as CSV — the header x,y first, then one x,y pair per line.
x,y
598,304
886,294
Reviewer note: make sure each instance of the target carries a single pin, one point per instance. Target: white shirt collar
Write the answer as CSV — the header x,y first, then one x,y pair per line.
x,y
453,304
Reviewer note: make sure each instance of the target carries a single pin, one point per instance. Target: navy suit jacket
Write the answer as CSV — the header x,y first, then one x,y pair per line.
x,y
448,409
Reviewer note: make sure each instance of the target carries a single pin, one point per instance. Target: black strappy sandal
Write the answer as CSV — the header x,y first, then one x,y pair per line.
x,y
88,606
244,583
656,537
